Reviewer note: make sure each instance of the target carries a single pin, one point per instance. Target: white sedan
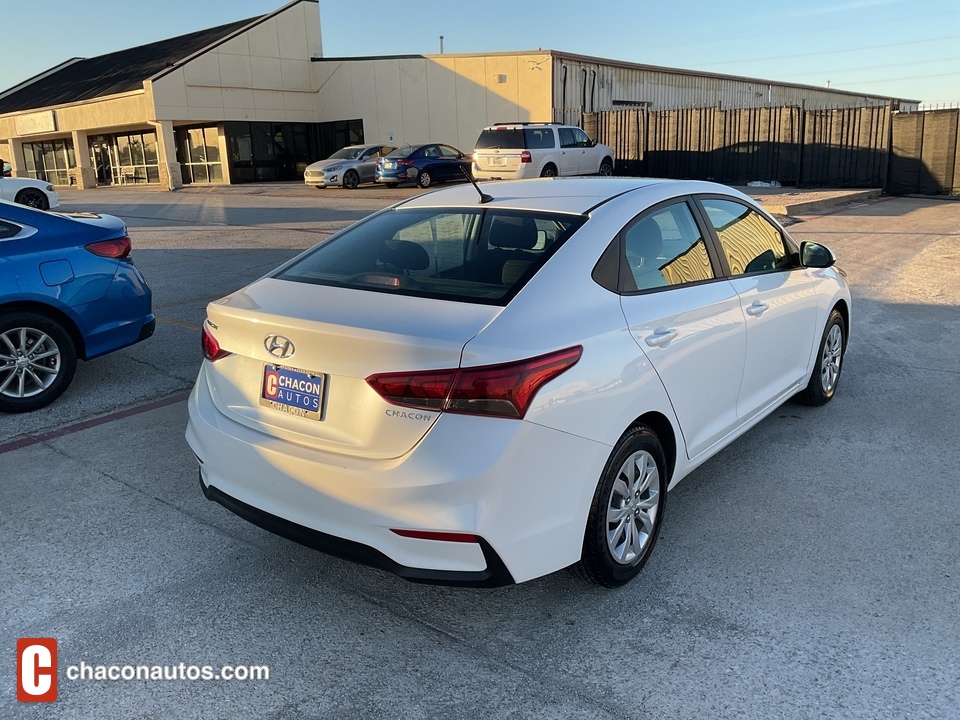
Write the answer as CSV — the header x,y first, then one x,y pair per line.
x,y
482,393
38,194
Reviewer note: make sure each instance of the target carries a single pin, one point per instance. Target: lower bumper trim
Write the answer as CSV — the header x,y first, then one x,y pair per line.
x,y
147,330
496,574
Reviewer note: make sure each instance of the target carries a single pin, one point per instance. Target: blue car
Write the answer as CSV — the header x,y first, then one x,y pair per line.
x,y
422,164
68,290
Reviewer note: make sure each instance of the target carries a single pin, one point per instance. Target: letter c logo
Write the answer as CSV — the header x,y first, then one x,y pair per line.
x,y
36,669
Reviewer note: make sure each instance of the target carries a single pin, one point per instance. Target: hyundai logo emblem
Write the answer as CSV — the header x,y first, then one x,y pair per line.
x,y
279,346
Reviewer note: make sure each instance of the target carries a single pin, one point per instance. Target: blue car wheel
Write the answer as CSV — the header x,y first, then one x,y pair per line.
x,y
37,361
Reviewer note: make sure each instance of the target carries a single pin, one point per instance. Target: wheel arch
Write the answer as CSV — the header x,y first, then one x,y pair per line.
x,y
841,307
663,429
54,314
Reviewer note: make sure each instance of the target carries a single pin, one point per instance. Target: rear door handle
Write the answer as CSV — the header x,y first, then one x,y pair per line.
x,y
661,337
757,309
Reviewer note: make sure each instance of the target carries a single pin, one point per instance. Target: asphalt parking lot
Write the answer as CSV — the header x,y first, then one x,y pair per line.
x,y
808,570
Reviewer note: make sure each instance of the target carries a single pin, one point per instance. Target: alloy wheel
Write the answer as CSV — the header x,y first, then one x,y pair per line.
x,y
632,508
830,361
29,362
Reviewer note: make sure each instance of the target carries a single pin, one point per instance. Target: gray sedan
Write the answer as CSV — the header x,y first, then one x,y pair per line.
x,y
347,167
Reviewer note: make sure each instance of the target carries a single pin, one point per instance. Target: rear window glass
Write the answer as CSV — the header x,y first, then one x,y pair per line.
x,y
537,138
472,255
500,139
402,152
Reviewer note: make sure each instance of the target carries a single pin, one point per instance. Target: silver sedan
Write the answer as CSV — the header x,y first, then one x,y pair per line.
x,y
347,167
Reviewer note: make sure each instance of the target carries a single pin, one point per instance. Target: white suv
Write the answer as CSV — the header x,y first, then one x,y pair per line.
x,y
526,150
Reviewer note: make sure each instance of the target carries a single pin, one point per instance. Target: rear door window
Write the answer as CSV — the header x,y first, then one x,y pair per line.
x,y
471,255
666,248
539,138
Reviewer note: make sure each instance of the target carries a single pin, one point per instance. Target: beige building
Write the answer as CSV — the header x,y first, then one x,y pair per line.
x,y
256,100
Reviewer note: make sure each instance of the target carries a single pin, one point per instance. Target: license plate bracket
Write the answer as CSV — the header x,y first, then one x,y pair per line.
x,y
295,392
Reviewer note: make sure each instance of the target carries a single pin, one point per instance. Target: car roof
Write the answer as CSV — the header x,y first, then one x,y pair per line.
x,y
576,195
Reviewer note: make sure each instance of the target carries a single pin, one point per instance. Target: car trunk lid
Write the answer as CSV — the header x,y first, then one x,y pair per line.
x,y
338,337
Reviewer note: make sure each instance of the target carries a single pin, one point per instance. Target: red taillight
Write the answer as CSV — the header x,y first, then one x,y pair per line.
x,y
525,156
211,348
442,536
117,248
504,390
404,162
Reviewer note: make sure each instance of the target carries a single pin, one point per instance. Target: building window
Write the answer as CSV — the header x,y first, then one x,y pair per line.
x,y
268,152
198,150
50,160
135,159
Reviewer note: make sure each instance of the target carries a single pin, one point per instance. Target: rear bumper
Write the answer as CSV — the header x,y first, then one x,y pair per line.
x,y
526,170
122,317
495,574
523,488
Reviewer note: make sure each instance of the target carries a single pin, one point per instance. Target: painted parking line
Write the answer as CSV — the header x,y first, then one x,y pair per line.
x,y
29,440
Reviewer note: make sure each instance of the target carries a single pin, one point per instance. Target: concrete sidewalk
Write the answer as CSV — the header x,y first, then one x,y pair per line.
x,y
797,201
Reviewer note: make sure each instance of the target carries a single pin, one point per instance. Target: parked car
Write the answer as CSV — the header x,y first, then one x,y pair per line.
x,y
483,393
422,164
68,290
347,167
514,151
38,194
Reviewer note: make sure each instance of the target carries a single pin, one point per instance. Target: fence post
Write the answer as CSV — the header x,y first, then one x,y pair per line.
x,y
888,149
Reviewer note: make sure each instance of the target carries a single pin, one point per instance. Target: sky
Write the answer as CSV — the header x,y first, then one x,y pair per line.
x,y
909,49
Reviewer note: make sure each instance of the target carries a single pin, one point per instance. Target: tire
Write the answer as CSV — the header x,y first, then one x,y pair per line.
x,y
424,179
633,488
391,185
826,373
32,197
351,179
549,170
606,167
36,384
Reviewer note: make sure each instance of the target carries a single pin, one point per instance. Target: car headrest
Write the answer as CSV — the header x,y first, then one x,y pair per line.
x,y
645,239
405,255
512,233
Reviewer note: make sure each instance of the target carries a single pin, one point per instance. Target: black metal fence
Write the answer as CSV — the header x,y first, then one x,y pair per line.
x,y
844,147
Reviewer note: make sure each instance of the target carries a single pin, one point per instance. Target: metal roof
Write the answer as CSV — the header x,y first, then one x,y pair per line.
x,y
111,74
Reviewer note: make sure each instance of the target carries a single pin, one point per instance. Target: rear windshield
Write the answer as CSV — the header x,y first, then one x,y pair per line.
x,y
530,138
474,255
402,152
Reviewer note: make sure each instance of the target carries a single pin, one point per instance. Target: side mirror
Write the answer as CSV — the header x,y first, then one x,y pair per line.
x,y
814,255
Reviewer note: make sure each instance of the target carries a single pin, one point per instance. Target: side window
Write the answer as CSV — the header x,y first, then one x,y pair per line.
x,y
539,138
750,243
372,153
664,249
448,152
581,138
567,138
431,151
8,230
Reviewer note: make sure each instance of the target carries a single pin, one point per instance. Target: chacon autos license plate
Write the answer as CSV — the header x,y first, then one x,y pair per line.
x,y
292,391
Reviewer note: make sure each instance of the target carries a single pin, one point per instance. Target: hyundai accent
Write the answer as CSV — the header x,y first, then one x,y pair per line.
x,y
481,391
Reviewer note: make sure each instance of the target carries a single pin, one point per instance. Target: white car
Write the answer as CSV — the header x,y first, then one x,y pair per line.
x,y
483,393
26,191
514,151
347,167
